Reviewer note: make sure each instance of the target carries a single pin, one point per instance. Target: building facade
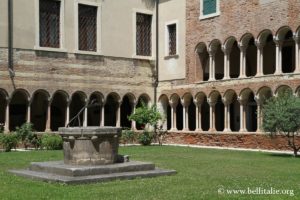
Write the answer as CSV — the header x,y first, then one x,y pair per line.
x,y
210,65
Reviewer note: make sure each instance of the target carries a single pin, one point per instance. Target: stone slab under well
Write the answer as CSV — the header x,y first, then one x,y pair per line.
x,y
57,171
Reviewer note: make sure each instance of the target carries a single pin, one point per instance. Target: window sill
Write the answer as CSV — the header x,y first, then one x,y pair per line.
x,y
94,53
143,57
171,56
61,50
202,17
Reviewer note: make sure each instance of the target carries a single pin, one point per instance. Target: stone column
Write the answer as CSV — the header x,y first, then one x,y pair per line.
x,y
102,114
48,119
260,59
226,115
29,112
212,109
185,104
278,44
198,105
6,122
212,65
243,49
227,52
68,113
133,123
243,104
297,53
173,115
118,115
85,114
259,103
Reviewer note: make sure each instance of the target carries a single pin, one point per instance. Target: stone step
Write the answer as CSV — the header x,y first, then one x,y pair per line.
x,y
59,168
49,177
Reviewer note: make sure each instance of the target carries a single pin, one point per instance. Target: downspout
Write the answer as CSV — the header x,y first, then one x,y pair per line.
x,y
10,40
157,53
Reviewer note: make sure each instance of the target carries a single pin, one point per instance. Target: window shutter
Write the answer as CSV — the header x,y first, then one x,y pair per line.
x,y
209,7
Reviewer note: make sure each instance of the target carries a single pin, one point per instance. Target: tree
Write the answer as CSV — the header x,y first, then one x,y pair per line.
x,y
147,116
281,115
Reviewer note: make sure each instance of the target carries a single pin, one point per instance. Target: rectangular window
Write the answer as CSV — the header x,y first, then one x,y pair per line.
x,y
87,27
143,34
172,39
209,7
49,23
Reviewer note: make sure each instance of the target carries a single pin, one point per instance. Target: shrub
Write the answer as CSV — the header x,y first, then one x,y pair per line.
x,y
51,142
26,134
145,138
127,136
9,141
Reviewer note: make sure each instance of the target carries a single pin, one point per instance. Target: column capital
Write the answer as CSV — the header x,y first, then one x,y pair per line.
x,y
226,101
296,38
242,47
259,100
211,102
185,102
259,44
242,101
226,50
277,41
212,52
173,104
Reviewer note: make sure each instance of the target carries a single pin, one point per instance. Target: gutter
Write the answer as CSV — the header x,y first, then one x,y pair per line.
x,y
157,52
10,40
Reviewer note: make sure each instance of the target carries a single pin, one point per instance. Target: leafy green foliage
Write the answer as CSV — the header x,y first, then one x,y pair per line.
x,y
127,136
25,134
51,142
9,141
146,115
145,138
281,115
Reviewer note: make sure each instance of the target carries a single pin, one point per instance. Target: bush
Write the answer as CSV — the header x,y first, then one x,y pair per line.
x,y
26,135
9,141
127,136
145,138
51,142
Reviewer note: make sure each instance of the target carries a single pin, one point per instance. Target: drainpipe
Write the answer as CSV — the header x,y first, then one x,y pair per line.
x,y
10,39
157,53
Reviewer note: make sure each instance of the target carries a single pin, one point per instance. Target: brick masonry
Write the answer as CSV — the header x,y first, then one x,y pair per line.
x,y
235,140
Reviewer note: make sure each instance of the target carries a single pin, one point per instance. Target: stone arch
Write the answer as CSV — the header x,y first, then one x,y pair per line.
x,y
230,99
190,108
18,109
59,105
127,106
77,103
143,98
283,88
265,39
3,105
216,47
178,109
288,57
165,108
216,110
248,42
202,62
247,98
94,115
39,109
112,109
263,94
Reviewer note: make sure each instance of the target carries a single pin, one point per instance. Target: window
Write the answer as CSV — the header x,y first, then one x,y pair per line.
x,y
209,8
87,27
49,18
172,39
143,34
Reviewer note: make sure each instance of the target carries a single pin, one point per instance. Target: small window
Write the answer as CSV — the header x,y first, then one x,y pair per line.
x,y
87,27
49,23
143,34
209,8
172,39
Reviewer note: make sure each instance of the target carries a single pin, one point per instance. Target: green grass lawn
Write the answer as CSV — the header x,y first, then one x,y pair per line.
x,y
201,172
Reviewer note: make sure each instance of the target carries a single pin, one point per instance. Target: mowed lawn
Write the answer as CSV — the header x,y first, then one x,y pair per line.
x,y
201,172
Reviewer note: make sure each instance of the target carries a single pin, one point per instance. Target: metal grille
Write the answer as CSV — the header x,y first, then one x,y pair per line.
x,y
87,20
172,39
209,7
143,34
49,23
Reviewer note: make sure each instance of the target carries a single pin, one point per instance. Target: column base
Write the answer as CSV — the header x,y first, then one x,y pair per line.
x,y
185,129
212,130
48,130
173,129
211,79
243,130
227,130
199,130
243,76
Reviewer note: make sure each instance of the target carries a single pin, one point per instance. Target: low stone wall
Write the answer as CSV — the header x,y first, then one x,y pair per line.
x,y
235,140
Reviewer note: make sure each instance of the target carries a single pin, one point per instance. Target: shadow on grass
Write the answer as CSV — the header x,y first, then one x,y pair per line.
x,y
283,155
